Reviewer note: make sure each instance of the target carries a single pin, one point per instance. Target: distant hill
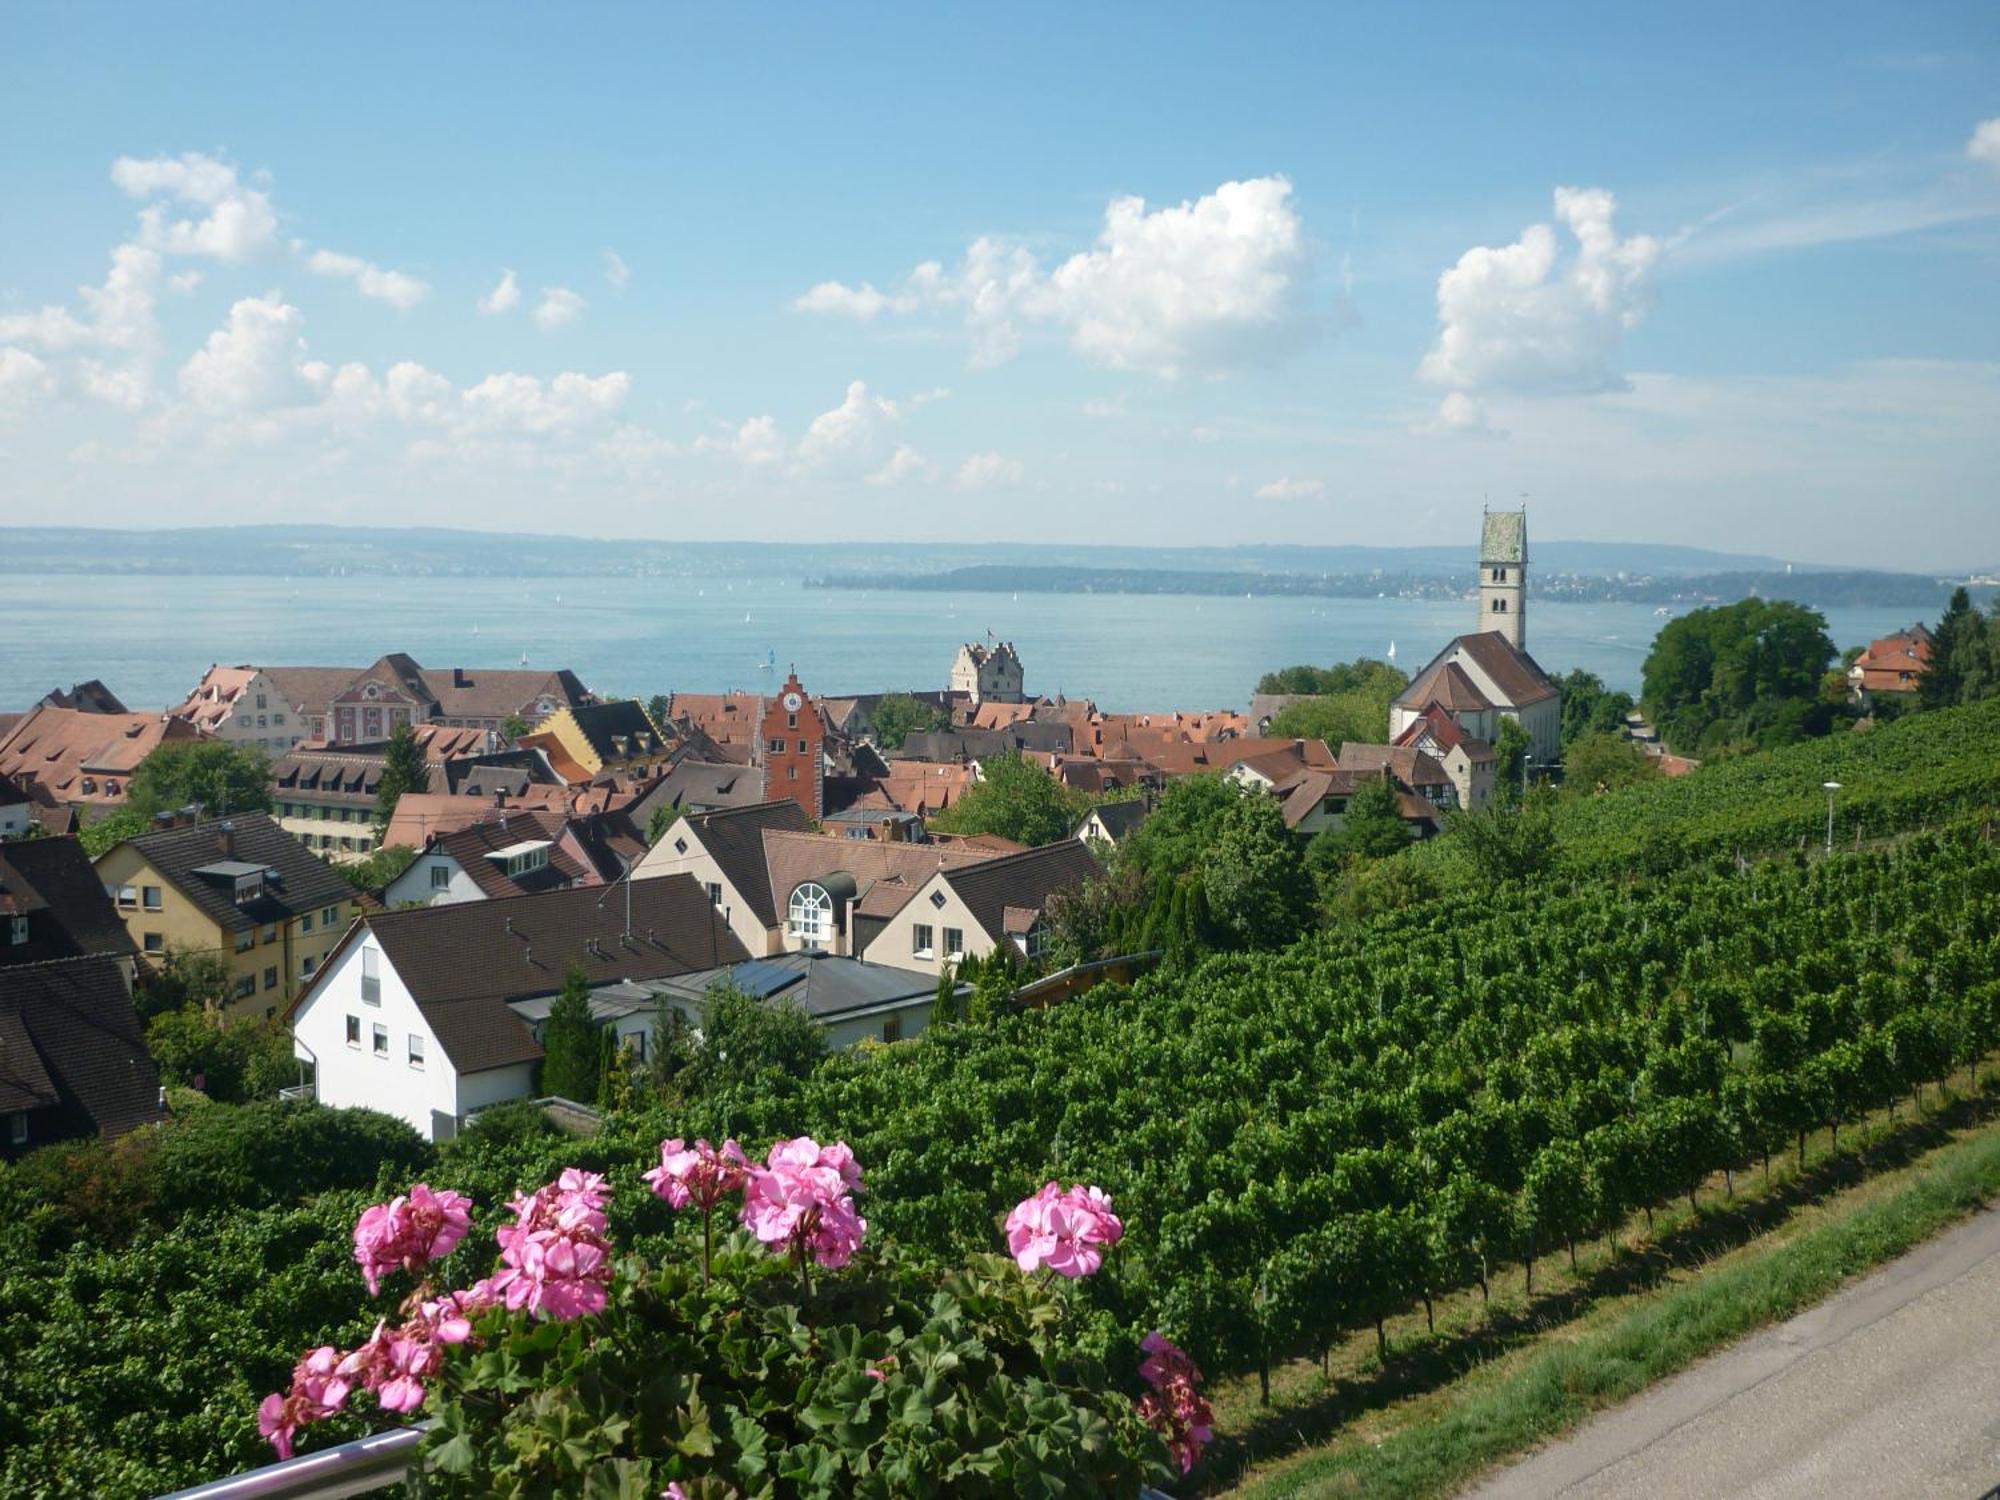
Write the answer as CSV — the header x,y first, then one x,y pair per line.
x,y
282,550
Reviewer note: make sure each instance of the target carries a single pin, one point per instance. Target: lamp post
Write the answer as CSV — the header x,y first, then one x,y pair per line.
x,y
1830,787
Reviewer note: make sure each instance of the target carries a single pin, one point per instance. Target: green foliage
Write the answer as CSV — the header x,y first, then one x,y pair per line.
x,y
656,826
197,978
378,871
235,1061
752,1046
107,833
657,709
404,769
1351,702
1748,672
1588,707
1015,799
1258,892
218,777
572,1051
1510,762
1372,828
898,716
1965,655
1603,762
1363,674
1506,843
511,729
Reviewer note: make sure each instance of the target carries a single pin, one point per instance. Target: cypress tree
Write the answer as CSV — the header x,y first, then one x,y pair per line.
x,y
572,1053
404,769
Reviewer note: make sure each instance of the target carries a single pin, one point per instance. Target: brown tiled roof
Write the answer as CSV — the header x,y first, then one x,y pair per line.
x,y
1409,765
924,786
348,775
305,884
1511,669
490,693
698,785
52,883
310,689
472,849
885,875
1304,792
1021,883
422,816
1194,757
463,963
61,748
91,697
734,839
77,1016
1446,684
1440,726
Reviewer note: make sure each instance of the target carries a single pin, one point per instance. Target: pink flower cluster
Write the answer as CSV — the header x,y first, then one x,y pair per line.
x,y
1175,1406
556,1260
318,1391
699,1176
409,1233
800,1199
1063,1229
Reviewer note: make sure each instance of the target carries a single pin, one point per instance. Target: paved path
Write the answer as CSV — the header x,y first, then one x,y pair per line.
x,y
1889,1388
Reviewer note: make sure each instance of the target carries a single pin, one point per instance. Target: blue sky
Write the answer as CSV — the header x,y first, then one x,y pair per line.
x,y
1057,273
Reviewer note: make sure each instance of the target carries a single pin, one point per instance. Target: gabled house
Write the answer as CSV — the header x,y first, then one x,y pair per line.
x,y
1111,823
245,706
52,906
17,809
238,886
970,910
73,1059
1479,680
1467,761
586,741
1413,770
1894,665
82,758
723,851
987,674
521,855
430,1013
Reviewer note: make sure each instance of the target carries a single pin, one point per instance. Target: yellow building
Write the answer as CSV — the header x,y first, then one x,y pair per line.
x,y
593,739
239,886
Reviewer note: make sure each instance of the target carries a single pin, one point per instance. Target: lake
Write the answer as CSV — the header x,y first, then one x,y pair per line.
x,y
151,638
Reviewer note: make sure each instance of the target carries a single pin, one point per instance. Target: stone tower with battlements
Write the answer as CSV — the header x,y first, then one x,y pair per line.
x,y
1503,575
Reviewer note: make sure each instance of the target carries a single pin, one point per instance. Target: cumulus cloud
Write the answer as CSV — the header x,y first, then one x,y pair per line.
x,y
987,471
1462,416
853,436
905,463
1985,143
504,298
251,362
616,273
1287,488
559,306
757,442
1205,286
238,226
400,290
564,404
1525,318
23,378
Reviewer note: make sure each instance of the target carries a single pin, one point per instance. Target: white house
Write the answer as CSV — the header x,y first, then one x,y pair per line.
x,y
971,910
723,851
987,674
518,854
413,1012
1480,680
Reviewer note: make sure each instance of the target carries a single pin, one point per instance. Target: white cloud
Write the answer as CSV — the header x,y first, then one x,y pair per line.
x,y
757,442
239,225
183,283
1205,286
1205,434
564,404
987,470
559,306
397,288
905,463
1985,143
1288,488
851,437
252,362
616,273
1520,318
22,377
504,298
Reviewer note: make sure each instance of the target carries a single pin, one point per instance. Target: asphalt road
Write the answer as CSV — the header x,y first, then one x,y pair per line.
x,y
1889,1388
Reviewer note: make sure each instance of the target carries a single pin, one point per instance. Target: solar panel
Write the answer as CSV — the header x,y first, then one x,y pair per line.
x,y
759,978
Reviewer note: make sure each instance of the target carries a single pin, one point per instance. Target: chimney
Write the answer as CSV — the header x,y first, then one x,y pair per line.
x,y
458,677
500,796
225,838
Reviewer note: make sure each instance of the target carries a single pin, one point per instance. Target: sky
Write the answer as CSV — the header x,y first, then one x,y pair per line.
x,y
1719,275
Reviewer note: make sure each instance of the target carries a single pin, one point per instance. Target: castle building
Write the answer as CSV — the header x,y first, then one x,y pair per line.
x,y
1503,576
791,743
987,674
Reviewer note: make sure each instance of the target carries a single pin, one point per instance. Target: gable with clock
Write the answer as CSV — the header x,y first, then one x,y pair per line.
x,y
791,740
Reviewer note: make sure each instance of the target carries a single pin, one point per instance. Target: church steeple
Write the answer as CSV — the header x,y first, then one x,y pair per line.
x,y
1503,575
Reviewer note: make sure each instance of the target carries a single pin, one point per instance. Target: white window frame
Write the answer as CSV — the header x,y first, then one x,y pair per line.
x,y
922,940
809,914
371,975
150,898
354,1032
17,930
415,1052
17,1129
380,1038
954,949
440,876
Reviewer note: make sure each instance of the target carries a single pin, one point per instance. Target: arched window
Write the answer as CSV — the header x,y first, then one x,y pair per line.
x,y
810,917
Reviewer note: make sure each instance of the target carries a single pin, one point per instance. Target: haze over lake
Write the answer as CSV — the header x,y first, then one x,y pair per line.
x,y
151,639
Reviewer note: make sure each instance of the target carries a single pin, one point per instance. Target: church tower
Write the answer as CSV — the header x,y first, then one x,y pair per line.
x,y
791,739
1503,575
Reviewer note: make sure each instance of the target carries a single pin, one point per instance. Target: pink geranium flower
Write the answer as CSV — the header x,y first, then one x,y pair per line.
x,y
410,1232
799,1201
1175,1406
699,1175
555,1258
318,1391
1063,1229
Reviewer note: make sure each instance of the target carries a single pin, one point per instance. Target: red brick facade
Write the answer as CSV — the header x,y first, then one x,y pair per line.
x,y
790,744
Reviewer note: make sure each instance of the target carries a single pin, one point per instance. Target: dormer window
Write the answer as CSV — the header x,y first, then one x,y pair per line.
x,y
810,915
523,858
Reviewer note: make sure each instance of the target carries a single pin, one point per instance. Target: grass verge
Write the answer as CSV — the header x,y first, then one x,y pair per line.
x,y
1504,1410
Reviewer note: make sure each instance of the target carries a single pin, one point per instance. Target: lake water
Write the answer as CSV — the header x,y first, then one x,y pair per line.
x,y
151,639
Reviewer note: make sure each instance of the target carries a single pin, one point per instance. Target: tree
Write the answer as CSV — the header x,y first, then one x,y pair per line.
x,y
1350,703
1743,673
1965,656
1588,707
657,709
1363,674
511,729
657,825
379,870
107,833
571,1050
1257,888
404,769
1603,762
898,716
1015,799
1372,828
1507,843
186,979
754,1045
1510,761
218,777
232,1062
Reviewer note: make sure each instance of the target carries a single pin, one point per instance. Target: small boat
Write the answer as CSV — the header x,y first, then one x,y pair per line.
x,y
1392,651
746,617
1663,610
524,658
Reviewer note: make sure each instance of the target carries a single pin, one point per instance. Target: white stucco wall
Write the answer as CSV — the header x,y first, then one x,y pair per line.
x,y
415,884
894,944
349,1077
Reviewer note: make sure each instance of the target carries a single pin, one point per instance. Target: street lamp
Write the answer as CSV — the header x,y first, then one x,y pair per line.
x,y
1830,787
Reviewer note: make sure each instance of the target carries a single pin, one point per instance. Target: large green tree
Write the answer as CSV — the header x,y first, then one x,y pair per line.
x,y
219,778
404,769
1589,707
1747,673
1350,701
1603,761
1257,887
572,1052
1015,799
1965,655
1372,827
898,716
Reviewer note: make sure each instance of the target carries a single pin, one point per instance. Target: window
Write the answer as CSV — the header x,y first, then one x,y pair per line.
x,y
128,895
271,932
17,930
155,943
354,1031
279,720
892,1029
714,893
634,1044
1499,575
1499,606
246,986
307,965
440,877
937,900
791,773
920,940
954,942
680,846
246,940
381,1040
330,916
791,721
777,745
17,1129
1036,941
271,977
804,748
371,976
416,1050
809,918
151,897
260,700
306,922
